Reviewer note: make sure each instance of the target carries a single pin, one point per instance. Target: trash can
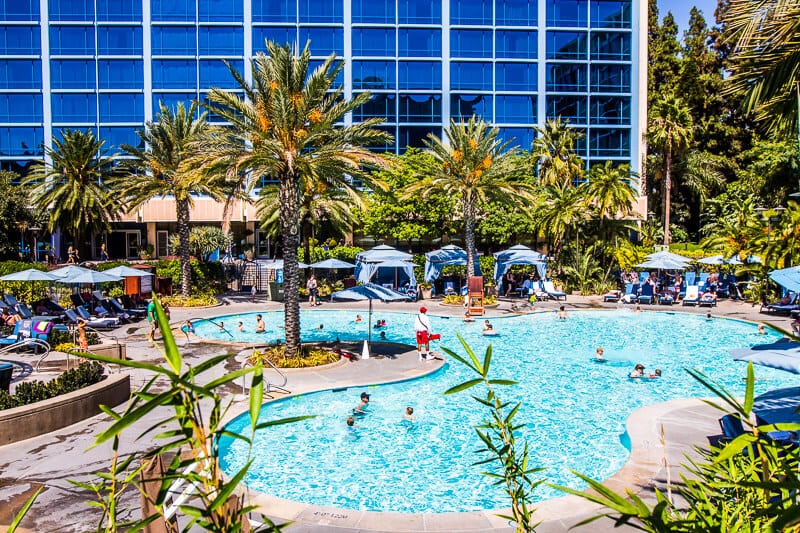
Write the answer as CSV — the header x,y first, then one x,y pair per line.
x,y
6,370
275,291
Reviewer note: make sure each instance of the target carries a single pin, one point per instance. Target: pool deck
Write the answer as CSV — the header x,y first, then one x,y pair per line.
x,y
53,459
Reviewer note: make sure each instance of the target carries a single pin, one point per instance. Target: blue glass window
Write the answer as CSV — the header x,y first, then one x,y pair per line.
x,y
522,137
567,13
174,40
572,108
611,78
566,77
611,13
420,12
120,74
566,45
121,107
373,75
420,108
471,12
115,137
611,46
221,41
220,10
174,74
19,10
463,106
516,12
75,107
321,11
20,107
72,74
378,42
214,73
470,43
20,40
21,141
174,10
71,10
511,109
413,136
119,10
119,40
516,76
420,43
171,100
471,76
373,11
274,10
323,40
610,143
379,106
20,74
516,44
279,34
72,40
419,75
610,110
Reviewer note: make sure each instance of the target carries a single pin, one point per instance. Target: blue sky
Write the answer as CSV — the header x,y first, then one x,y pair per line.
x,y
680,10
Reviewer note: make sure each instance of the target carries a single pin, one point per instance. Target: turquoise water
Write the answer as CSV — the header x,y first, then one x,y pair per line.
x,y
574,409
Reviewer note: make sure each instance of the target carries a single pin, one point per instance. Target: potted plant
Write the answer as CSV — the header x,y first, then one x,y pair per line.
x,y
146,252
426,291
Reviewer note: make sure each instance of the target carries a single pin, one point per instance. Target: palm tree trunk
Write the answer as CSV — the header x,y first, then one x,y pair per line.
x,y
182,208
290,220
667,192
469,234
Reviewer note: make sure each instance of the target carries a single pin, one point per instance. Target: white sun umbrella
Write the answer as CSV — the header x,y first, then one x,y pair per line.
x,y
669,256
31,274
68,271
713,260
663,263
90,276
127,272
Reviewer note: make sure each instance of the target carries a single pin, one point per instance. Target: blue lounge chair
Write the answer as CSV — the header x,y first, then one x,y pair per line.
x,y
643,277
551,291
692,295
708,299
647,294
666,298
449,288
96,323
783,307
612,296
631,293
731,426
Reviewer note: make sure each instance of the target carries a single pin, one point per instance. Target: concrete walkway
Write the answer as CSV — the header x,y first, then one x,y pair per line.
x,y
51,460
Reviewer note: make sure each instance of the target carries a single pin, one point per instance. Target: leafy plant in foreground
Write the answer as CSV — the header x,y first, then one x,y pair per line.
x,y
191,431
498,434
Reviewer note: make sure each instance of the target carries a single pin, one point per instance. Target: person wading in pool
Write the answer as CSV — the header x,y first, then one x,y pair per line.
x,y
422,328
361,408
260,327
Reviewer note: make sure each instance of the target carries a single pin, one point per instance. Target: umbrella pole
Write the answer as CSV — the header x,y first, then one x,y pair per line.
x,y
369,330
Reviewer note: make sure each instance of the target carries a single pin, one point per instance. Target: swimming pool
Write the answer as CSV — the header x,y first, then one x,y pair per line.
x,y
574,408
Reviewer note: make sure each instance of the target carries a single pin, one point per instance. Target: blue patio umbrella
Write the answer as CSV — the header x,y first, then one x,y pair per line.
x,y
369,291
91,276
30,274
788,278
782,354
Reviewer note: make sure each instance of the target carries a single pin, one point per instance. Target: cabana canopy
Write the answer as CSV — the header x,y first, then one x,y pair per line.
x,y
370,263
518,255
447,255
788,278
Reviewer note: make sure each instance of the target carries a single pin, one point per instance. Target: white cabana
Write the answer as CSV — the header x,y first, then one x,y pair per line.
x,y
518,255
451,254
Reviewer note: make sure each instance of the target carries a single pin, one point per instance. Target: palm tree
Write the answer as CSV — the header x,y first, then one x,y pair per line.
x,y
671,132
553,153
610,192
319,203
562,208
159,170
476,167
70,186
766,37
283,127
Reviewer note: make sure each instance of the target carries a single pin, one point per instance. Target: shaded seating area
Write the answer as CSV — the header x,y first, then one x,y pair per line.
x,y
436,260
518,255
387,267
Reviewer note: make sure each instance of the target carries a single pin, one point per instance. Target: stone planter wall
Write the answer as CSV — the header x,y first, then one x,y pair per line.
x,y
38,418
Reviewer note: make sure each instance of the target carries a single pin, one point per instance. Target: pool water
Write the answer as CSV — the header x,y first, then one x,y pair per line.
x,y
574,408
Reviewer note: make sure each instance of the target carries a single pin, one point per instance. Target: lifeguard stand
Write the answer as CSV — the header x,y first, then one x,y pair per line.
x,y
475,295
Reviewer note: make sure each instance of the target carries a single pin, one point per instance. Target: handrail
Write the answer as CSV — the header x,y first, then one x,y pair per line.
x,y
269,385
29,341
215,323
74,331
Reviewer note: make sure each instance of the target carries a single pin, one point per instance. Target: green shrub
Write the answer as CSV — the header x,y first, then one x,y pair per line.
x,y
28,392
25,291
206,277
194,300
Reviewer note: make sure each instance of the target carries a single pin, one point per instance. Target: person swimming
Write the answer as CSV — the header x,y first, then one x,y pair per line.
x,y
409,414
187,328
241,327
562,313
656,374
599,354
638,371
488,329
358,318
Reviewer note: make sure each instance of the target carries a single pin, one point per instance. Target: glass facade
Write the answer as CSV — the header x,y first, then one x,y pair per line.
x,y
106,65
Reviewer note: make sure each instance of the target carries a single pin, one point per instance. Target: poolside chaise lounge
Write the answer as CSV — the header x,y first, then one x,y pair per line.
x,y
692,295
708,299
551,291
647,294
612,296
631,293
731,426
120,309
666,298
92,322
783,306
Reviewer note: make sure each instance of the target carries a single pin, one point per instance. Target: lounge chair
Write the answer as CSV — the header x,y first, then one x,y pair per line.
x,y
120,309
540,293
449,288
612,296
783,306
96,323
631,293
731,426
666,298
708,299
551,291
692,295
10,300
526,289
647,294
